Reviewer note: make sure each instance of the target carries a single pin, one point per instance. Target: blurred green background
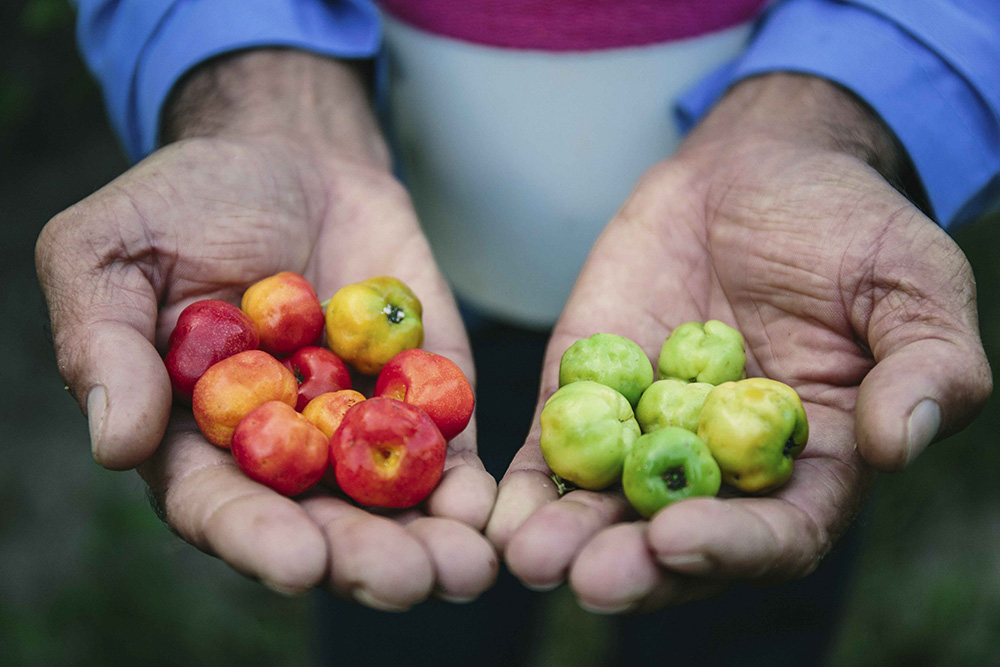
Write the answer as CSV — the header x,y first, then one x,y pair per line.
x,y
90,576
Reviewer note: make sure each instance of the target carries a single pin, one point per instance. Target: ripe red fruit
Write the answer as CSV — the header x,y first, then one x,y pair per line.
x,y
433,383
387,453
286,310
207,332
232,388
318,371
326,411
278,447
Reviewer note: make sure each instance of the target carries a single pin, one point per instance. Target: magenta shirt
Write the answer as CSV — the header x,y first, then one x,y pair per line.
x,y
571,25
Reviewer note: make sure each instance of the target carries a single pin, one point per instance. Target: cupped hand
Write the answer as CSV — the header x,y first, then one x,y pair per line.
x,y
843,290
206,218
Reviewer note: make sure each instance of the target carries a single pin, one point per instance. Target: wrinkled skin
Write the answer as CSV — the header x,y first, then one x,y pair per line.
x,y
843,290
206,218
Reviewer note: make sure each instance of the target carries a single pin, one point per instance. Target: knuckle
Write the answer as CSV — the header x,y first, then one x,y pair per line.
x,y
54,242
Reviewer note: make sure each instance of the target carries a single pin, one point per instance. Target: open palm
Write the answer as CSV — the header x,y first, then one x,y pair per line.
x,y
841,288
206,218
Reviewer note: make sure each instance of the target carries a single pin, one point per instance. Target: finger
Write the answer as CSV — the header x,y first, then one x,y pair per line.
x,y
775,538
747,538
542,549
931,375
210,503
373,560
769,539
103,313
615,572
466,492
917,394
465,564
520,493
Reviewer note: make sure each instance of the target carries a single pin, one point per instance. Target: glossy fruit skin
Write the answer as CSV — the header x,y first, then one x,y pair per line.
x,y
387,453
712,352
370,322
433,383
611,360
327,411
587,429
668,465
207,332
318,371
278,447
286,310
671,402
755,429
232,388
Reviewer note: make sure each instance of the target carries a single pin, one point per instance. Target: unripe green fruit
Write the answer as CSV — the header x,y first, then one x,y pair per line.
x,y
712,352
587,429
755,428
671,403
668,465
611,360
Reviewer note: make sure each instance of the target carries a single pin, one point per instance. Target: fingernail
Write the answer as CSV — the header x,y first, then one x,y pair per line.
x,y
607,611
922,427
696,564
367,599
281,589
543,588
455,599
97,405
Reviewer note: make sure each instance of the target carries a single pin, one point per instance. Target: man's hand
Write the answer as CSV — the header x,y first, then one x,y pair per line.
x,y
278,166
774,217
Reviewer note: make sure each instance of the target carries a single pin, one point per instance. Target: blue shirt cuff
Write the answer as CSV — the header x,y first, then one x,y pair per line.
x,y
139,50
935,84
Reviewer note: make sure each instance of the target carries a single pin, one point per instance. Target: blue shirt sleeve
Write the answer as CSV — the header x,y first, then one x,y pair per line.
x,y
929,68
139,49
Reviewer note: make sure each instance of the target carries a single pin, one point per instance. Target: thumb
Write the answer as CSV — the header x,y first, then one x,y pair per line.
x,y
921,392
103,312
931,376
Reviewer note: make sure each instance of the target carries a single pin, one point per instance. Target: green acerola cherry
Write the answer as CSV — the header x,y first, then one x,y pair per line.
x,y
755,429
611,360
668,465
587,429
712,352
671,402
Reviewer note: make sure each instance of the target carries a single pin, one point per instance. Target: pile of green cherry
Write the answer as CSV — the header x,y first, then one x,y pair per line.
x,y
701,424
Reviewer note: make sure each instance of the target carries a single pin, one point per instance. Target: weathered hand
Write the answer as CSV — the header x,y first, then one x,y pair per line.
x,y
842,288
205,218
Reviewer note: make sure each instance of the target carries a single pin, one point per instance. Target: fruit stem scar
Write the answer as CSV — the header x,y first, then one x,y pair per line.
x,y
675,478
386,459
394,314
789,445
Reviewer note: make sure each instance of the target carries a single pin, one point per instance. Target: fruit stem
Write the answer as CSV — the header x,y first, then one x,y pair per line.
x,y
562,486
